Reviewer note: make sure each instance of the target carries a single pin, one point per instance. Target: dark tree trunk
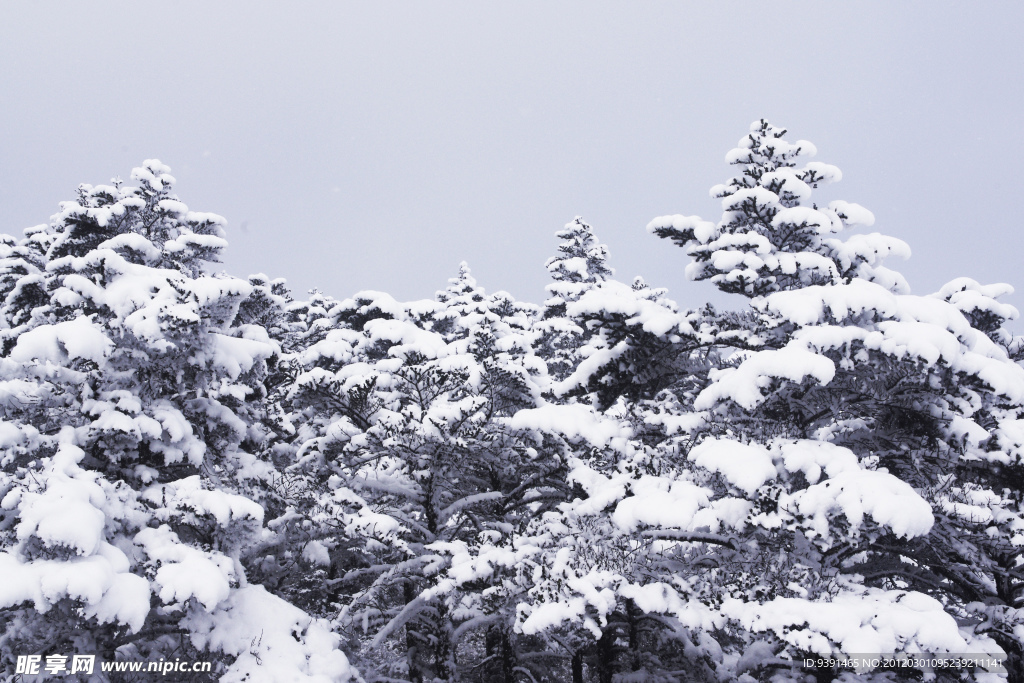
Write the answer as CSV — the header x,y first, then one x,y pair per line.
x,y
501,654
577,666
1006,592
1014,657
443,669
411,644
492,644
633,616
508,658
606,655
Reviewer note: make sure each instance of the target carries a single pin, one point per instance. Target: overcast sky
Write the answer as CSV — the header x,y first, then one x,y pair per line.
x,y
376,145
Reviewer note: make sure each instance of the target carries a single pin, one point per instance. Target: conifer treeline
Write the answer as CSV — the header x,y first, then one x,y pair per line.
x,y
470,488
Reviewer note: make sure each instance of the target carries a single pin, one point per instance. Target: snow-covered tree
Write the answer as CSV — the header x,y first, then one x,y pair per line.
x,y
604,488
637,344
772,237
580,265
131,389
864,448
411,463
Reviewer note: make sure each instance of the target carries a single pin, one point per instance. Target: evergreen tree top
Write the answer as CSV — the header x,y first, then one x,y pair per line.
x,y
581,258
772,237
462,285
147,224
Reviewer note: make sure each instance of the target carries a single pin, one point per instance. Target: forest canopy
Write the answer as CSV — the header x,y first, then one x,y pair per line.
x,y
600,487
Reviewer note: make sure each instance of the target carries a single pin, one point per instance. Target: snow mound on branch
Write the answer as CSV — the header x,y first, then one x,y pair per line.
x,y
923,328
602,490
407,339
316,554
68,514
743,385
338,346
1010,438
970,296
616,298
594,591
872,248
189,494
235,355
274,641
101,582
186,572
659,502
800,216
701,230
574,421
869,623
849,489
810,305
888,500
852,214
814,457
745,466
473,564
73,339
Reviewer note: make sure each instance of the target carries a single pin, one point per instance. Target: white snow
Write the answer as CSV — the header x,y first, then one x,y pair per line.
x,y
186,572
78,338
802,216
744,385
407,338
868,621
274,641
702,230
853,215
745,466
888,500
659,502
573,421
105,589
814,457
189,494
67,512
316,554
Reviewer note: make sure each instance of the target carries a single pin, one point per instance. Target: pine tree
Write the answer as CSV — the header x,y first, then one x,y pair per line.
x,y
861,441
412,466
580,266
605,488
128,466
581,263
771,236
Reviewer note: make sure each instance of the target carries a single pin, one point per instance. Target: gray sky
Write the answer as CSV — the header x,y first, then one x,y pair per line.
x,y
376,145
